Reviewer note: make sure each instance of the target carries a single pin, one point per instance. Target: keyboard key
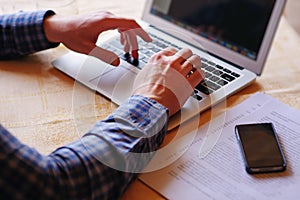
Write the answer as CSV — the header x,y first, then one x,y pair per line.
x,y
227,77
207,87
219,67
204,89
217,72
214,78
116,44
210,68
160,44
197,96
176,47
211,85
204,59
211,63
145,59
149,46
144,51
226,70
148,54
155,50
235,74
222,82
141,42
141,56
204,65
207,74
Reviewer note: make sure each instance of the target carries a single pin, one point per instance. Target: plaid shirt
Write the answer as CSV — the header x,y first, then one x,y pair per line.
x,y
22,33
101,164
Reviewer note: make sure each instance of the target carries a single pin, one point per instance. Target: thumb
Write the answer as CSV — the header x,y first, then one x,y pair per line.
x,y
105,55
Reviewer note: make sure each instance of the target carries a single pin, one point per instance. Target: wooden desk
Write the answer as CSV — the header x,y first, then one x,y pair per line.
x,y
36,100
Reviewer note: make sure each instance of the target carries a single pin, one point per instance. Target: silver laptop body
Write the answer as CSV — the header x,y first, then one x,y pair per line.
x,y
233,36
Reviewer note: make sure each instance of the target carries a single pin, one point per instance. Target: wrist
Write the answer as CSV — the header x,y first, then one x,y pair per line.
x,y
160,94
51,25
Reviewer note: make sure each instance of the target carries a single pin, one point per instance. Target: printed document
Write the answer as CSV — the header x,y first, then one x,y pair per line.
x,y
212,167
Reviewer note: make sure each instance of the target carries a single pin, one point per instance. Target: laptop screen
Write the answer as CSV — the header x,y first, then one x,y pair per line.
x,y
238,25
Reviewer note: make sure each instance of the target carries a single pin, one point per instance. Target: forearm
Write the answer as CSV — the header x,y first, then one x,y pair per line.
x,y
99,165
23,33
115,150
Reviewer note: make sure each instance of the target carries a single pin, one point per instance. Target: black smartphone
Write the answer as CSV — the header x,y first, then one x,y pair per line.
x,y
260,148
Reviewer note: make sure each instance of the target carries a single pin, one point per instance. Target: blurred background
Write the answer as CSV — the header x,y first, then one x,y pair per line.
x,y
291,13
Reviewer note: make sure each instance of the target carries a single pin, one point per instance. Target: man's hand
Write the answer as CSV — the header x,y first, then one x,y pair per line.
x,y
80,33
170,78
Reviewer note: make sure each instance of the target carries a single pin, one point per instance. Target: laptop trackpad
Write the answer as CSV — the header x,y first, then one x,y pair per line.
x,y
115,83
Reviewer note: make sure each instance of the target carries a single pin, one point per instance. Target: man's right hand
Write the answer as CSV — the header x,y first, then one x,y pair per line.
x,y
170,78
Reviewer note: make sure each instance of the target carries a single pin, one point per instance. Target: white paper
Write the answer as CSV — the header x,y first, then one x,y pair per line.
x,y
212,168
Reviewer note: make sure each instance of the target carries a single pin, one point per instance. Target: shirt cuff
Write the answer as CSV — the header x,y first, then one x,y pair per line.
x,y
26,34
147,115
138,125
37,37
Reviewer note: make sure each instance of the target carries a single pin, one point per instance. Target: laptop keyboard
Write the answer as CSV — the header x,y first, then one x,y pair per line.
x,y
216,75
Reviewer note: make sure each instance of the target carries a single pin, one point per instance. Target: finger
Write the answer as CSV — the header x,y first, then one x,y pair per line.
x,y
138,31
133,43
195,61
191,65
123,24
124,42
187,68
122,38
143,34
105,55
182,55
169,51
195,78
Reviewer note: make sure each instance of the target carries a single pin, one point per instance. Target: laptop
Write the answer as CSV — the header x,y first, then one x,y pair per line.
x,y
232,37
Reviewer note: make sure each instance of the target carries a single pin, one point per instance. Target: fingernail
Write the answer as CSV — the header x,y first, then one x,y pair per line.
x,y
115,62
135,54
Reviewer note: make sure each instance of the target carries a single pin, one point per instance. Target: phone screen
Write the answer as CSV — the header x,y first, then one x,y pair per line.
x,y
260,147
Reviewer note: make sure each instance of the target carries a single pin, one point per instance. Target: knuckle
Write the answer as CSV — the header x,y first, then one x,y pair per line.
x,y
104,15
187,50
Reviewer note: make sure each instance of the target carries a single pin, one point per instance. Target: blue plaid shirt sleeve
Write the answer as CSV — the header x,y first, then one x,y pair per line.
x,y
22,33
100,165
